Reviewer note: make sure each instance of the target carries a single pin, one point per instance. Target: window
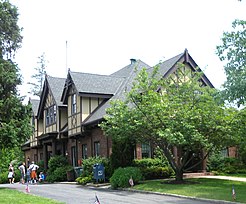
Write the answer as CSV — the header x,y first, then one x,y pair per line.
x,y
146,153
224,152
51,115
96,149
47,117
54,111
73,103
84,151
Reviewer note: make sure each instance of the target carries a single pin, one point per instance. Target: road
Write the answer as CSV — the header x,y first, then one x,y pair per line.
x,y
76,194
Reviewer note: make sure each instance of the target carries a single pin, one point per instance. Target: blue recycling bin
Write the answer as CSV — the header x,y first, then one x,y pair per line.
x,y
99,172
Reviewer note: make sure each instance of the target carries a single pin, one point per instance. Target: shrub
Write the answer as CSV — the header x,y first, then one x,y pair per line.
x,y
154,168
121,177
157,172
58,167
41,166
148,162
57,161
59,174
4,177
226,165
84,180
88,166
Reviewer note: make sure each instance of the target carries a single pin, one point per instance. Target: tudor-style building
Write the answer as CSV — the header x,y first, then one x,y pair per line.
x,y
84,94
49,121
70,110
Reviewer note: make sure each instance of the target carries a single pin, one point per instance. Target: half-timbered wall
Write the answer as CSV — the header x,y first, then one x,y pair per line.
x,y
181,74
33,122
89,104
50,126
84,107
73,113
63,117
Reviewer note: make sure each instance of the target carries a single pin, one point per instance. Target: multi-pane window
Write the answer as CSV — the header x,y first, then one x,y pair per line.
x,y
84,151
146,153
96,149
51,115
54,113
73,103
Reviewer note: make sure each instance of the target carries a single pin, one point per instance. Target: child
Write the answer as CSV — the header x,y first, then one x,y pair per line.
x,y
28,176
13,173
41,177
10,175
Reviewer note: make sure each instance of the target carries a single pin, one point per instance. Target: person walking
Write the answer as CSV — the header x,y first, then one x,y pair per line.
x,y
11,169
33,168
23,172
10,176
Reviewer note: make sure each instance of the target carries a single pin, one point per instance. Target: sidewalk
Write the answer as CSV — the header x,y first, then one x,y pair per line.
x,y
225,178
209,175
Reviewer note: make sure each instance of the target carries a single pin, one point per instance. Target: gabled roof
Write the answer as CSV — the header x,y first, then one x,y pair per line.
x,y
91,84
34,103
168,64
55,86
130,72
94,83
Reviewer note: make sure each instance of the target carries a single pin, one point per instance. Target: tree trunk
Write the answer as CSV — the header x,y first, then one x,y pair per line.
x,y
179,175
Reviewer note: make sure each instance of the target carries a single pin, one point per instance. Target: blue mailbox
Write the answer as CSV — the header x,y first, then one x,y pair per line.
x,y
98,172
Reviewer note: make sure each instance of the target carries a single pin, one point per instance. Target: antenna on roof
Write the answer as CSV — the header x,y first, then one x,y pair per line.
x,y
66,57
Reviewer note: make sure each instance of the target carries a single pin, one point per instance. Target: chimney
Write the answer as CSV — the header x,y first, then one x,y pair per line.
x,y
133,61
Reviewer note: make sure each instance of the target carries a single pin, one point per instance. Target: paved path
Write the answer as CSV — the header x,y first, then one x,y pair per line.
x,y
225,178
76,194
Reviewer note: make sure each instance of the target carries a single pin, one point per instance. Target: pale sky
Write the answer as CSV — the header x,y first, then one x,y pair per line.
x,y
103,35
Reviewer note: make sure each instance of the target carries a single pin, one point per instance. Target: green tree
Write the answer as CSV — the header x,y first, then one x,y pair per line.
x,y
14,116
39,76
240,131
181,119
10,38
233,52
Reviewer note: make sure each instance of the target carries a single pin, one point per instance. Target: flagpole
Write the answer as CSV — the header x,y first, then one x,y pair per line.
x,y
66,57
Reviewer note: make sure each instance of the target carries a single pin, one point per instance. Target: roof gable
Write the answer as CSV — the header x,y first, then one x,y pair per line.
x,y
93,84
34,103
55,86
131,71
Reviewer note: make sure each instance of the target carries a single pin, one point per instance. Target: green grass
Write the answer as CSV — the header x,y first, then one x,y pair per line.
x,y
11,196
217,189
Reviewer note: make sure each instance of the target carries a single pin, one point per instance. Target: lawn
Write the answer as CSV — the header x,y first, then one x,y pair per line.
x,y
9,196
199,187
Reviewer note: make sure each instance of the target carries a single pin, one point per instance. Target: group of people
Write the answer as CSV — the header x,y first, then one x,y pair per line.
x,y
28,173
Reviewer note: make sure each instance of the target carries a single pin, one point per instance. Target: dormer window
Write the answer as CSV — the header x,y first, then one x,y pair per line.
x,y
73,103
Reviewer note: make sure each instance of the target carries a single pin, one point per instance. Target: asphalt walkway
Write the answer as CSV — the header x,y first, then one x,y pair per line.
x,y
223,177
70,193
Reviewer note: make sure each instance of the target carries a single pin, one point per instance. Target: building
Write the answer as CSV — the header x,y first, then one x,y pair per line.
x,y
66,118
